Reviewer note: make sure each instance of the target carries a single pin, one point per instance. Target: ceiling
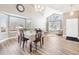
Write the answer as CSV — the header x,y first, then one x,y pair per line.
x,y
64,7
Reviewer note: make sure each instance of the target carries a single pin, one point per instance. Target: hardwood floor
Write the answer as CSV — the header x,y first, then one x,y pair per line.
x,y
53,45
57,45
11,47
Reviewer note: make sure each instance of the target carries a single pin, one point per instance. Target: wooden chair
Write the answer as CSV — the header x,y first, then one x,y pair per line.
x,y
22,38
38,38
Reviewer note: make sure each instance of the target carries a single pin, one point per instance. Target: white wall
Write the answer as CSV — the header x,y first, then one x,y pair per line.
x,y
39,21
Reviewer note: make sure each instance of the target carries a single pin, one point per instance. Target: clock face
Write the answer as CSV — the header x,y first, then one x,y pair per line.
x,y
20,7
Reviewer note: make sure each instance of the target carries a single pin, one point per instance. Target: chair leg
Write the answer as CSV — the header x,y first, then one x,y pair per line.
x,y
40,44
42,40
18,39
26,43
20,42
30,47
23,44
36,46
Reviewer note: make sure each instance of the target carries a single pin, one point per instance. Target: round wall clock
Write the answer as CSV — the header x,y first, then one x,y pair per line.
x,y
20,8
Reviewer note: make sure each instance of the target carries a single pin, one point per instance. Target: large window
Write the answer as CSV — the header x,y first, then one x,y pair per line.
x,y
3,26
54,22
3,22
14,22
9,24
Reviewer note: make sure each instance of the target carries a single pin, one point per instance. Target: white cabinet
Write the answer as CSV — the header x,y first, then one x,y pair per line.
x,y
72,27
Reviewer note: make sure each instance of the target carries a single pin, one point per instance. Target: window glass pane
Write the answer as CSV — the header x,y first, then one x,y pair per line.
x,y
54,22
10,23
28,24
3,26
15,22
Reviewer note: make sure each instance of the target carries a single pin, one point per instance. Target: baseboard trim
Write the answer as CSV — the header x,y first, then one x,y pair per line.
x,y
72,38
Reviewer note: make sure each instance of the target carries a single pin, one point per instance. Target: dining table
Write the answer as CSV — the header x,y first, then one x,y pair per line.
x,y
31,36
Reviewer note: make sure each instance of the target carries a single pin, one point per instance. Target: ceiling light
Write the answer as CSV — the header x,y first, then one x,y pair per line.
x,y
42,7
39,8
71,11
35,6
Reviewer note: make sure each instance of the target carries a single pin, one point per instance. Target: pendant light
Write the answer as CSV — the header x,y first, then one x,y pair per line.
x,y
39,8
71,11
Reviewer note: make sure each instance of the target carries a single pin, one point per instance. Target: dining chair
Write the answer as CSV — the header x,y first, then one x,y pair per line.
x,y
38,37
22,39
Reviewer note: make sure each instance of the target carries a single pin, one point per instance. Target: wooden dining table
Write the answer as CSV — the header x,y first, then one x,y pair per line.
x,y
31,36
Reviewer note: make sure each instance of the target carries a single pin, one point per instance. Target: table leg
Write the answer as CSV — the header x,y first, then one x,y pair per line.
x,y
41,43
42,40
30,47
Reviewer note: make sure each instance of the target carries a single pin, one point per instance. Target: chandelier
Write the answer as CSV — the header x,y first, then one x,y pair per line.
x,y
39,8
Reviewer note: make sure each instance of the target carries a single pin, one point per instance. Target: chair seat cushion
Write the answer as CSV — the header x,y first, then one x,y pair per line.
x,y
25,39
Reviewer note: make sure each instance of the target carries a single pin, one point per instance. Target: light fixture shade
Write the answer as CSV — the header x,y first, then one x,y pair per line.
x,y
71,13
39,8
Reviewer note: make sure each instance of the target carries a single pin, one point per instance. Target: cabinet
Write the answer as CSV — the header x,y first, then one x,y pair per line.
x,y
72,29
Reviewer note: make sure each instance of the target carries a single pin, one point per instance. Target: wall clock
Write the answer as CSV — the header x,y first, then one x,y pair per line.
x,y
20,8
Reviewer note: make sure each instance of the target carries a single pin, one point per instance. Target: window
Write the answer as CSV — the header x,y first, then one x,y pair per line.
x,y
54,22
9,24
